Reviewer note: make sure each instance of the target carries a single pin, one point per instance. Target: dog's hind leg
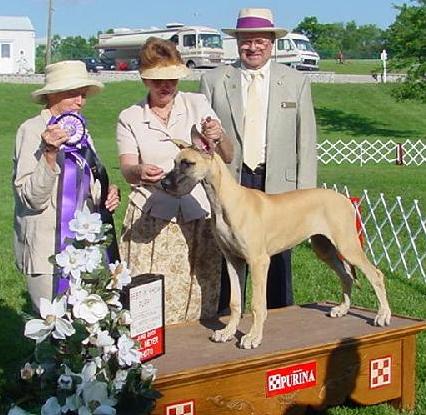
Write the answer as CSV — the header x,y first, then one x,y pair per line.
x,y
236,271
327,252
353,253
259,274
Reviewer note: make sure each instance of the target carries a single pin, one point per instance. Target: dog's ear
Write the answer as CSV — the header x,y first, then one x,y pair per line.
x,y
201,143
180,143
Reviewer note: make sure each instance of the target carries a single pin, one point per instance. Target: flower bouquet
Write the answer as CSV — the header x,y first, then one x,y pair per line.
x,y
85,361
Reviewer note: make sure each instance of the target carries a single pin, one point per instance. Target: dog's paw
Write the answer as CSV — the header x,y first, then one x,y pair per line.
x,y
383,318
339,311
223,336
250,342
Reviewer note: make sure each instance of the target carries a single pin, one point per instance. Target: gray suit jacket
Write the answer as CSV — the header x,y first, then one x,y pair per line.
x,y
291,158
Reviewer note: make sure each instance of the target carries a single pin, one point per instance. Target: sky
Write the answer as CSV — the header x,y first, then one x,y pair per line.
x,y
87,17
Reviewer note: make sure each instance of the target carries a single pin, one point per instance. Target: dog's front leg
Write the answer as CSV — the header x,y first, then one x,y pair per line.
x,y
259,274
236,271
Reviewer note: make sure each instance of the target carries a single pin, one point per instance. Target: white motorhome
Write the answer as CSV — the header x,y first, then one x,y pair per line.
x,y
293,49
297,51
200,46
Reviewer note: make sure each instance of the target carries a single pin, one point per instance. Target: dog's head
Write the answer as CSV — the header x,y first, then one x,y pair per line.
x,y
192,165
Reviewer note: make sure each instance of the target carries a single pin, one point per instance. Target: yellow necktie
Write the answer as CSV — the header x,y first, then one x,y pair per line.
x,y
252,145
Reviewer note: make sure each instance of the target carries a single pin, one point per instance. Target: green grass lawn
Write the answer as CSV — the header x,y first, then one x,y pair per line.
x,y
343,111
354,66
366,111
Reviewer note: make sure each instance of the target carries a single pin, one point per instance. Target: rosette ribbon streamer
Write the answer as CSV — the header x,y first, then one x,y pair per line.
x,y
78,162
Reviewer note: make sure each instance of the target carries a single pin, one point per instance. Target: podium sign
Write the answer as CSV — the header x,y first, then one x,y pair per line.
x,y
146,305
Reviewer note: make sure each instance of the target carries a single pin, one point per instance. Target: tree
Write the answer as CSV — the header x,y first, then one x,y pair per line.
x,y
309,27
406,44
68,48
330,38
371,40
74,48
40,59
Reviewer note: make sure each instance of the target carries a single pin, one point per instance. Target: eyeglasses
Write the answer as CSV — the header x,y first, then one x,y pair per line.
x,y
257,43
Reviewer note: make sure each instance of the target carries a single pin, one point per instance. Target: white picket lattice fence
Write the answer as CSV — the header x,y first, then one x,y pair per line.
x,y
362,152
394,234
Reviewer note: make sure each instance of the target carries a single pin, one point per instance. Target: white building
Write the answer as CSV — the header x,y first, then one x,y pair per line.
x,y
17,45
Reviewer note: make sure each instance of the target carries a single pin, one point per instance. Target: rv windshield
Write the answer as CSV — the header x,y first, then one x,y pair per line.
x,y
303,45
210,40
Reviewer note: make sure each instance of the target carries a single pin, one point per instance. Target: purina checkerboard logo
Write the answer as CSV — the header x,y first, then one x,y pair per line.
x,y
380,372
291,378
180,408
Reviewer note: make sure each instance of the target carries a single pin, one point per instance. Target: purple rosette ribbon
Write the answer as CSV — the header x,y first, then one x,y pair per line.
x,y
74,184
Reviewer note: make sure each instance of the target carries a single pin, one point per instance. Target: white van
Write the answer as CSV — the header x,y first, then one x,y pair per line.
x,y
293,49
296,51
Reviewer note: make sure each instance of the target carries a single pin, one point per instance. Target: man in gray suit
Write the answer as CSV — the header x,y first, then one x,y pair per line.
x,y
266,109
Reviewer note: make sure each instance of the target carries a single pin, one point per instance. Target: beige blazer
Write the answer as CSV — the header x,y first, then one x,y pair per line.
x,y
291,158
139,132
35,190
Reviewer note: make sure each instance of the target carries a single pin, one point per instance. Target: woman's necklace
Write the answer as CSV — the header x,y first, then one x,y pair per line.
x,y
164,118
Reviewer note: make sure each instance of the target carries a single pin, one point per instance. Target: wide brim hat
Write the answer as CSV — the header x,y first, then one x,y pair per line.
x,y
66,76
178,71
255,20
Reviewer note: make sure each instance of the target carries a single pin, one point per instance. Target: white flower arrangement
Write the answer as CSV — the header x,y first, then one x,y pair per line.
x,y
85,361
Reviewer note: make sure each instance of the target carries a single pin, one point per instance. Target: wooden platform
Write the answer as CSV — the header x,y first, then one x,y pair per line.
x,y
307,359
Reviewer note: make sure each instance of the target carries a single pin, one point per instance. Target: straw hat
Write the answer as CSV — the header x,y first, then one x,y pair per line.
x,y
256,20
66,76
178,71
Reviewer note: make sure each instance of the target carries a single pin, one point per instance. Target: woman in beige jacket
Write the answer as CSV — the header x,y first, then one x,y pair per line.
x,y
38,173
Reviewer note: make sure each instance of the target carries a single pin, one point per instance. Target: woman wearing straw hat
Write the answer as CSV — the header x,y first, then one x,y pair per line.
x,y
56,171
266,109
161,233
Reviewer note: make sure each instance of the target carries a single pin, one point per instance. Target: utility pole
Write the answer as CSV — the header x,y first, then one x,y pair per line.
x,y
49,34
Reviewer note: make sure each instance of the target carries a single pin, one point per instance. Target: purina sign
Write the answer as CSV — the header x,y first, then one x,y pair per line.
x,y
291,378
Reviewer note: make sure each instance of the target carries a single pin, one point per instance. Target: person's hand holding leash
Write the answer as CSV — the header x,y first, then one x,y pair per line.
x,y
212,130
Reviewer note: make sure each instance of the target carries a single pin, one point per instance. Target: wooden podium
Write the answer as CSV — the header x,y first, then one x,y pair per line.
x,y
306,360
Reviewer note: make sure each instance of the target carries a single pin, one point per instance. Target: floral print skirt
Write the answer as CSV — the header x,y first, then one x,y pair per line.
x,y
185,253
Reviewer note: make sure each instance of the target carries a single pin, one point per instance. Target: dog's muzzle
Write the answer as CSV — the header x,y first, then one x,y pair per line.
x,y
167,183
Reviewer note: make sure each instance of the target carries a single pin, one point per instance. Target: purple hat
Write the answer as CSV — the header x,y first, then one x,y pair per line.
x,y
256,20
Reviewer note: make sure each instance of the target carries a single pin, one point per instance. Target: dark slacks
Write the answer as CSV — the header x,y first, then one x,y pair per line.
x,y
279,290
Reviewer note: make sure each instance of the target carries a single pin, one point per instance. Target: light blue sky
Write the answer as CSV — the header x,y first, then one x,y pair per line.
x,y
86,17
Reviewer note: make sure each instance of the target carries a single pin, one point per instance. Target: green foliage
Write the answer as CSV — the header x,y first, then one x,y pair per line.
x,y
73,48
354,41
68,48
40,59
406,44
310,27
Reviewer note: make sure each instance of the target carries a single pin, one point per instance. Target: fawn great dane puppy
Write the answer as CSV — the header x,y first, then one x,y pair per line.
x,y
249,229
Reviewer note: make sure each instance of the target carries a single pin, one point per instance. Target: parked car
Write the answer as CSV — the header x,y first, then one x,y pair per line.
x,y
133,64
107,64
92,64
